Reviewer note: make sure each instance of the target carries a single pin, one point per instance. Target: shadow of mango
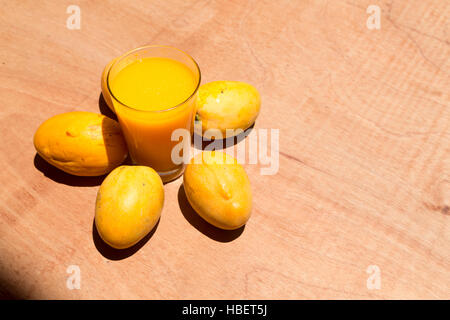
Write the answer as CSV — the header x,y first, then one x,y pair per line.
x,y
60,176
201,225
118,254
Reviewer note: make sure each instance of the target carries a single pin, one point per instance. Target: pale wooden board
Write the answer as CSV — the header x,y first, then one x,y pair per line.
x,y
364,176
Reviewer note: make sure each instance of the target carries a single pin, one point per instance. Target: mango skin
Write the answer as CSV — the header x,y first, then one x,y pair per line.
x,y
81,143
218,189
104,85
225,105
128,205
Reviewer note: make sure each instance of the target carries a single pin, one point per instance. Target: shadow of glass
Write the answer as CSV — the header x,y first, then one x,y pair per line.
x,y
118,254
104,109
60,176
201,225
224,143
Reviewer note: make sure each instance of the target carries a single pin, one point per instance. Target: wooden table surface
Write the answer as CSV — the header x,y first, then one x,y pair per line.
x,y
364,151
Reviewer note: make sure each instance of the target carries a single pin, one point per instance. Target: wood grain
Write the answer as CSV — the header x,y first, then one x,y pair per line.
x,y
364,175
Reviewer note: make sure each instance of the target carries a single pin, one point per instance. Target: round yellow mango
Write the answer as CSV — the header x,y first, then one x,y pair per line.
x,y
223,105
218,189
128,206
81,143
104,85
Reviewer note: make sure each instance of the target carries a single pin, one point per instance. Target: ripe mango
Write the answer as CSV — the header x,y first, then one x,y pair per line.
x,y
225,105
218,189
81,143
128,205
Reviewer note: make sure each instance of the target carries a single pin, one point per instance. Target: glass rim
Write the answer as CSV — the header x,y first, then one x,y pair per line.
x,y
119,58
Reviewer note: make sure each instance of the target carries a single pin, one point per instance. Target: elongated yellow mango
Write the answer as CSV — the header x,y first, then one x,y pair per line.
x,y
128,206
218,189
81,143
223,105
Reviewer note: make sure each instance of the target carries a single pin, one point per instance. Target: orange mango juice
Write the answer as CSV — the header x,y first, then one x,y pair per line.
x,y
152,97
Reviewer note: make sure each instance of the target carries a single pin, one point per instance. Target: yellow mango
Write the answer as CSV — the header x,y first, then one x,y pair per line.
x,y
128,206
225,105
104,85
218,189
81,143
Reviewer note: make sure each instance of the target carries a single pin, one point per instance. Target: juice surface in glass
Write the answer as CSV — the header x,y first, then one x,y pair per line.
x,y
153,84
153,96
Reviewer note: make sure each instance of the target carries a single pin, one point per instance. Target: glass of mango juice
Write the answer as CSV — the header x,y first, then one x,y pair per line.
x,y
153,90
